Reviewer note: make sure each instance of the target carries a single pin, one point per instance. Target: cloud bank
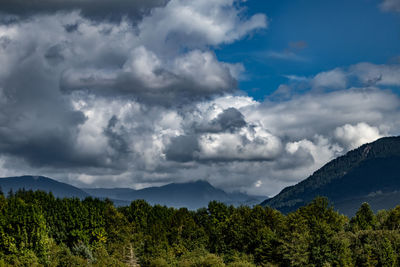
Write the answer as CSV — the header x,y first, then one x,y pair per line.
x,y
92,9
133,94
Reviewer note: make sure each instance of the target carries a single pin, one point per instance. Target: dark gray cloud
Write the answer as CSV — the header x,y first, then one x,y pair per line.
x,y
183,148
39,129
147,79
229,120
178,90
54,54
93,9
117,137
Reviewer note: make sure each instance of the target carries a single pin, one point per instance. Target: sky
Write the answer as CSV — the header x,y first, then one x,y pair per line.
x,y
250,96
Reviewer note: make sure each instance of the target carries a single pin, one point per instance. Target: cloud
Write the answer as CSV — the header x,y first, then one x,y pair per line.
x,y
390,5
98,101
333,79
225,138
36,122
305,115
296,78
285,55
182,148
363,74
165,56
229,120
283,92
232,141
92,9
283,141
197,23
144,76
317,149
248,144
382,75
56,66
353,136
252,143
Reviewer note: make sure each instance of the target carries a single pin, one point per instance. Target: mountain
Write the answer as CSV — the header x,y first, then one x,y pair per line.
x,y
370,173
41,183
192,195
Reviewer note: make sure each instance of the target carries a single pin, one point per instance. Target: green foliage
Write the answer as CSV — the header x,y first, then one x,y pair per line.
x,y
375,248
37,229
393,219
364,219
313,234
200,258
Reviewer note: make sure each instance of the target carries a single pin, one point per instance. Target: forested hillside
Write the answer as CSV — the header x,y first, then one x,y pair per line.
x,y
370,173
38,229
29,182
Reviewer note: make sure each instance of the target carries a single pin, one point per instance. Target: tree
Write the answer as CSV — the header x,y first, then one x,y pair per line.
x,y
312,236
364,219
393,219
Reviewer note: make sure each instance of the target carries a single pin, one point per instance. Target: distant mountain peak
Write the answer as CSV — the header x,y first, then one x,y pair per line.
x,y
195,182
192,195
204,182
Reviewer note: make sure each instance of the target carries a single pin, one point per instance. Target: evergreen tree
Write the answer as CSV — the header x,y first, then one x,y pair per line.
x,y
364,219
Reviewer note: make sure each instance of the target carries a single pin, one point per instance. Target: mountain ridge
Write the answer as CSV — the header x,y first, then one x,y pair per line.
x,y
347,178
30,182
191,195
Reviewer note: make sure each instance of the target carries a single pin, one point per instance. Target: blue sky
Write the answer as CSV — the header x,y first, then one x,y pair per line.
x,y
332,33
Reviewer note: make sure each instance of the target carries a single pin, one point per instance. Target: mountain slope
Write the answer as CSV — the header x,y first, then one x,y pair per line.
x,y
41,183
370,173
191,195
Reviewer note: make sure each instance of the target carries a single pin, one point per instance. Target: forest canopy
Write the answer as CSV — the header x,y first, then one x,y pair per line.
x,y
38,229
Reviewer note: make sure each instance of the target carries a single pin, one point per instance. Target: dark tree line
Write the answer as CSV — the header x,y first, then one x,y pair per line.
x,y
38,229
